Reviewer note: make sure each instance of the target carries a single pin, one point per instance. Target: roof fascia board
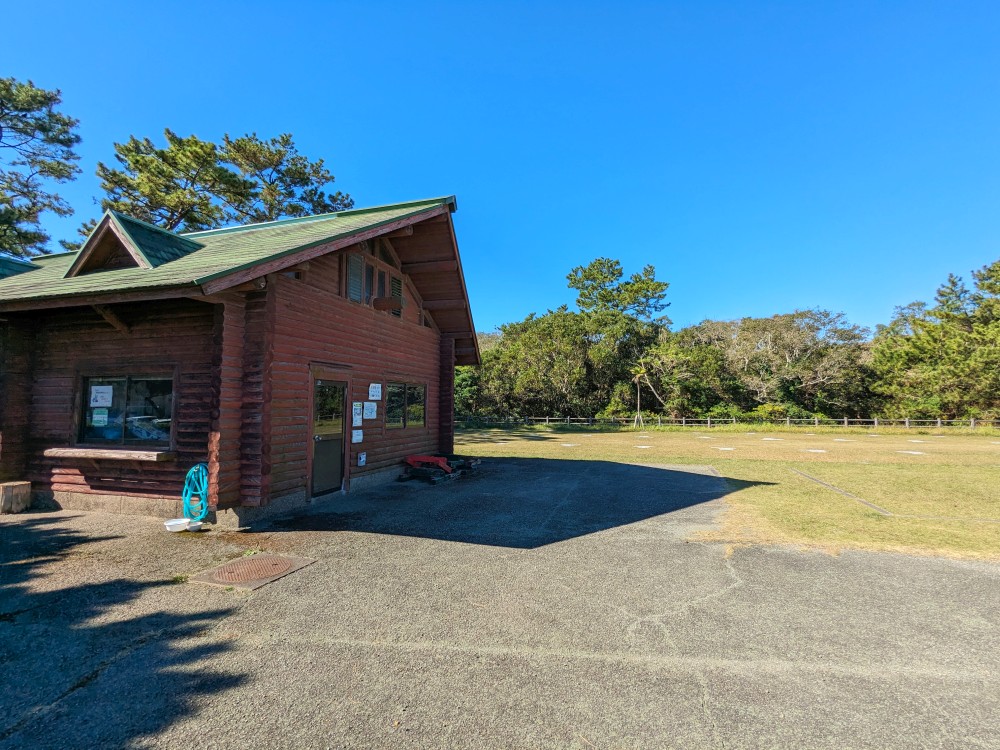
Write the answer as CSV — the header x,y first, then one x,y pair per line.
x,y
233,276
100,298
465,291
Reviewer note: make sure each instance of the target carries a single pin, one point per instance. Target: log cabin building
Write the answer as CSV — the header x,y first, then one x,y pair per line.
x,y
295,358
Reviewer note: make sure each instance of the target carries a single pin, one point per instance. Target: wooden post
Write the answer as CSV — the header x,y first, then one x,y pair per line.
x,y
876,421
255,434
709,421
972,423
446,395
845,421
939,421
226,408
17,364
906,423
816,421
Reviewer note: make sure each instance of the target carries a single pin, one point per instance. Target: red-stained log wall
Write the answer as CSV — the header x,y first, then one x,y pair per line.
x,y
314,325
243,365
165,337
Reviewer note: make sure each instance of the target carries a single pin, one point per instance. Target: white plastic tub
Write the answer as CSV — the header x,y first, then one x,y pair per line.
x,y
177,524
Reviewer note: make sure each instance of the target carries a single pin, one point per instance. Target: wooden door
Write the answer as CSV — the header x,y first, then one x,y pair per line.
x,y
328,435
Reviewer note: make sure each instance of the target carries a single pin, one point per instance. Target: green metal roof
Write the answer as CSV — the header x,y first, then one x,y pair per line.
x,y
157,245
221,252
13,266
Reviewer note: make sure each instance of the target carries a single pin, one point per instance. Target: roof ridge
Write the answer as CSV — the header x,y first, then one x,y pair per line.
x,y
173,235
18,261
317,217
46,256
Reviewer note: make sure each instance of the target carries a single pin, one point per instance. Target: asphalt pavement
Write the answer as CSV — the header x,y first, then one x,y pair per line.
x,y
537,604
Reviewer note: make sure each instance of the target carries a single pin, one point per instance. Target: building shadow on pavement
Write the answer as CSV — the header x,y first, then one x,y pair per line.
x,y
523,503
82,664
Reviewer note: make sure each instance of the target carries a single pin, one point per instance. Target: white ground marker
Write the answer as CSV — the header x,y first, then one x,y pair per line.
x,y
642,446
916,441
772,438
815,450
569,445
913,453
719,448
842,440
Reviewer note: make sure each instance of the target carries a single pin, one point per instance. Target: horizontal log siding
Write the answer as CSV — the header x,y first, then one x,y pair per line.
x,y
73,342
314,325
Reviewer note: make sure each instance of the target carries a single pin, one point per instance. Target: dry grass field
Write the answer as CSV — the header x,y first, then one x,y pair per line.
x,y
903,490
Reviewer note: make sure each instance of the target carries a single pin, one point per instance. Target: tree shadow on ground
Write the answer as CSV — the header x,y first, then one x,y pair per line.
x,y
523,503
82,664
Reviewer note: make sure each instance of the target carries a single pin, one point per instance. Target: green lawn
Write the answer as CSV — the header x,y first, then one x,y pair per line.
x,y
943,490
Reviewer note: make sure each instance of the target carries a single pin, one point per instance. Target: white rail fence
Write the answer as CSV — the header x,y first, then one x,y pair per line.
x,y
708,422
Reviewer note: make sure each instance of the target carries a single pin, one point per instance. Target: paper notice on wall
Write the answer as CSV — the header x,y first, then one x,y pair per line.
x,y
371,410
375,391
99,418
101,395
357,413
362,458
357,436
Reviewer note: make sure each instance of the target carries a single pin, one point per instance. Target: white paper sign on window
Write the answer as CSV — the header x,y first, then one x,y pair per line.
x,y
99,418
357,436
375,392
357,411
101,395
371,410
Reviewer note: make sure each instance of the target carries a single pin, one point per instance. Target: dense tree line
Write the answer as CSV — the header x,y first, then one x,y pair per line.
x,y
615,354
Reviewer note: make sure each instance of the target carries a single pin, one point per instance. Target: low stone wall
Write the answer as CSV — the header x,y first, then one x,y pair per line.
x,y
127,505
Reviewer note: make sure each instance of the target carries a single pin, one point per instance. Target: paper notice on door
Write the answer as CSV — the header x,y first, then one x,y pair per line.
x,y
357,436
375,391
371,410
357,413
99,418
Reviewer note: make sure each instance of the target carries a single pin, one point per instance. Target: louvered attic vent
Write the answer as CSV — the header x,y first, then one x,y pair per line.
x,y
396,290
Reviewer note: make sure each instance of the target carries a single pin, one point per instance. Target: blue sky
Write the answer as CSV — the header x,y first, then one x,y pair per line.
x,y
763,156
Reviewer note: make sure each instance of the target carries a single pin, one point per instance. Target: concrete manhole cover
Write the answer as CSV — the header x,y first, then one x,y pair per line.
x,y
252,572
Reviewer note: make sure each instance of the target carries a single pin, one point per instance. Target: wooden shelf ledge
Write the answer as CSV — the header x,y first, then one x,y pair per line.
x,y
110,454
